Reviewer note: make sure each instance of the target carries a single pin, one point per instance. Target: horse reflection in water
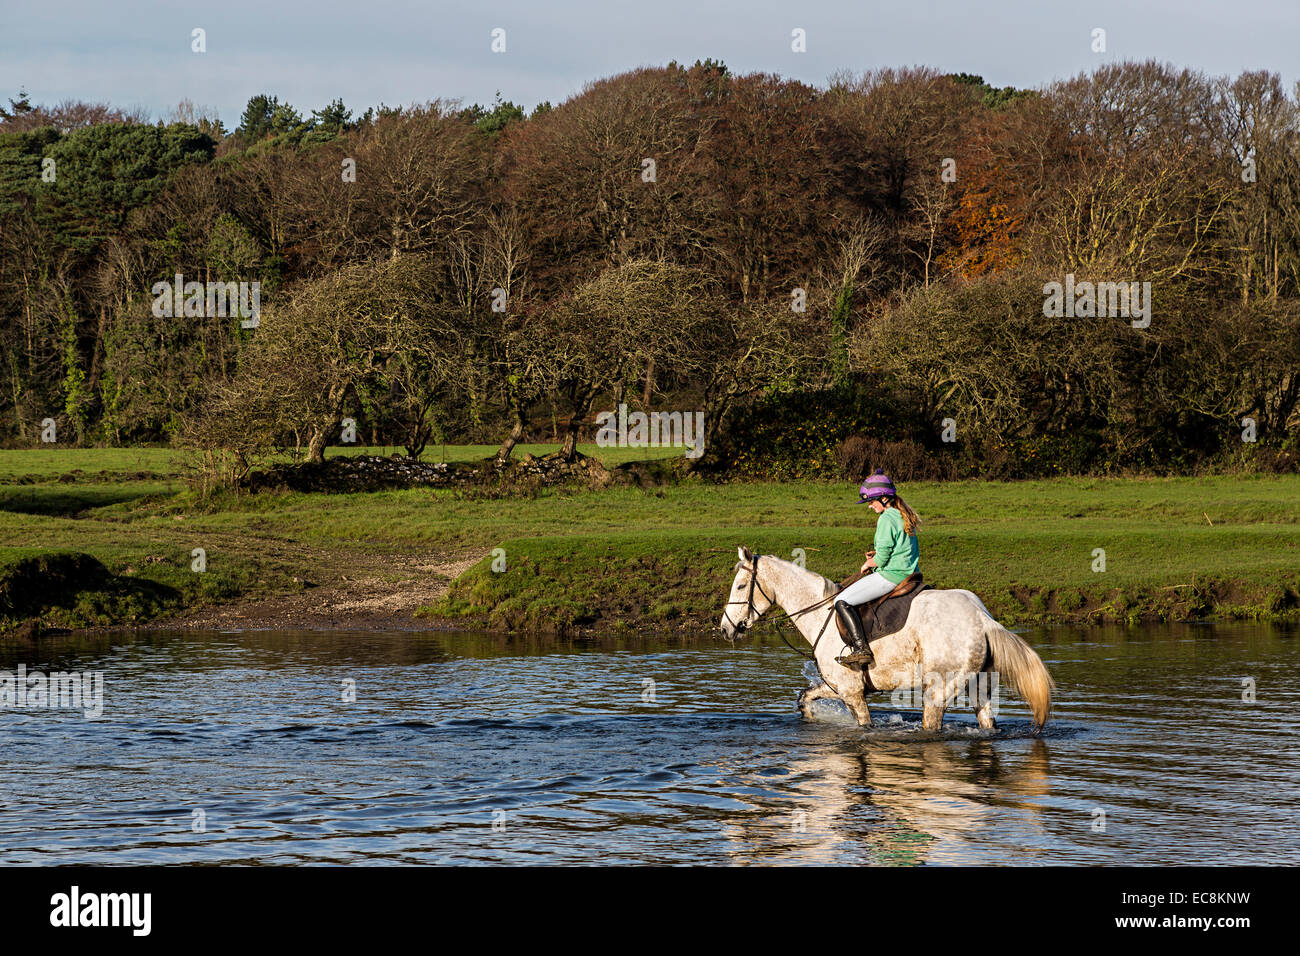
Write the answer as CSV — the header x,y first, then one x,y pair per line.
x,y
898,802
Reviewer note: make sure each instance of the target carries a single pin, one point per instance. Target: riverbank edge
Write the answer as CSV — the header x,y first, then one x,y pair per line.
x,y
1219,600
654,578
651,581
1209,600
1022,606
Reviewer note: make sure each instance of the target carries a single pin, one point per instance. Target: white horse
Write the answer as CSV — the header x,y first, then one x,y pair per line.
x,y
949,638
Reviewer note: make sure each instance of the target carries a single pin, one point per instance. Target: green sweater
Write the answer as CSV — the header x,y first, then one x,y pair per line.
x,y
897,553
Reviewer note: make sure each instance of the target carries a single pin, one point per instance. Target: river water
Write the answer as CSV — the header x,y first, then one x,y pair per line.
x,y
468,748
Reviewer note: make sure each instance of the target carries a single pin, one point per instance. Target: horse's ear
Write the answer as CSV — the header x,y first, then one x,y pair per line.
x,y
743,553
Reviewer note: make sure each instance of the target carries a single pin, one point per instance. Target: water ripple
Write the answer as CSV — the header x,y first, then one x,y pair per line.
x,y
225,748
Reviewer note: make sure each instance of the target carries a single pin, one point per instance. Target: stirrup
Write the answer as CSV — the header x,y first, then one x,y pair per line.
x,y
858,657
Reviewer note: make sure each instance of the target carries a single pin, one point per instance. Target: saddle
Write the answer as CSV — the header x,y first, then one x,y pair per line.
x,y
885,615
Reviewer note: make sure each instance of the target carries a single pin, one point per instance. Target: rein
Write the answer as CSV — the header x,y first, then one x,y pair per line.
x,y
749,603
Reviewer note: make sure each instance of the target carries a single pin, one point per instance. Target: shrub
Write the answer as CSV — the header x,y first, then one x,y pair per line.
x,y
860,455
796,434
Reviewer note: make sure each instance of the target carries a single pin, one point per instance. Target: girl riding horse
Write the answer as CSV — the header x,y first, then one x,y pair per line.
x,y
897,557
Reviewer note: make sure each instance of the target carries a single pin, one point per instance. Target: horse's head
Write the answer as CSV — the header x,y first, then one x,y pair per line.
x,y
747,599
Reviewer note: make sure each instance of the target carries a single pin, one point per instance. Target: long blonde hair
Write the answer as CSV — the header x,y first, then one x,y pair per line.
x,y
911,520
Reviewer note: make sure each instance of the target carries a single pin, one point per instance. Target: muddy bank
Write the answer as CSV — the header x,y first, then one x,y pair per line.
x,y
353,602
49,595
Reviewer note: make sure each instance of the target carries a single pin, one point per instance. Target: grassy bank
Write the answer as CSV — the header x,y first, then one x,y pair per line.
x,y
1026,548
626,558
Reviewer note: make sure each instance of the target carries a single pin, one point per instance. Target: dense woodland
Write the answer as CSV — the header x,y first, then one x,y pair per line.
x,y
802,264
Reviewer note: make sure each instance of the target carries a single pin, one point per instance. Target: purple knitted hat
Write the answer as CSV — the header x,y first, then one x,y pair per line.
x,y
877,486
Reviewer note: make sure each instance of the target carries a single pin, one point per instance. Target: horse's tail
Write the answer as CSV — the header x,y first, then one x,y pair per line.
x,y
1018,664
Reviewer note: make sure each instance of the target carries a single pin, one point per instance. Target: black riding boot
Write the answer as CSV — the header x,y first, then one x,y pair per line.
x,y
859,654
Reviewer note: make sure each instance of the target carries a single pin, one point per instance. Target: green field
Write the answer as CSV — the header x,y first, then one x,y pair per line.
x,y
626,557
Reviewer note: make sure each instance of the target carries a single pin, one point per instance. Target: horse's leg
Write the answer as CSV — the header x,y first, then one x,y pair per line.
x,y
857,705
810,694
851,683
939,693
854,698
931,716
983,701
934,700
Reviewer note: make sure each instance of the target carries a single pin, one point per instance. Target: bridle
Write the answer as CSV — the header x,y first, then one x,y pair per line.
x,y
742,627
749,603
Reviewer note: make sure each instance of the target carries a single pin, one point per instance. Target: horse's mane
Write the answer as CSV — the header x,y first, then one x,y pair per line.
x,y
828,586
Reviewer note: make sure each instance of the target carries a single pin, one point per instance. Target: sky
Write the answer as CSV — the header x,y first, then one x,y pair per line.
x,y
136,53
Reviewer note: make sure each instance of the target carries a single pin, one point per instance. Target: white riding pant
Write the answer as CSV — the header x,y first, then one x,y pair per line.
x,y
866,589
